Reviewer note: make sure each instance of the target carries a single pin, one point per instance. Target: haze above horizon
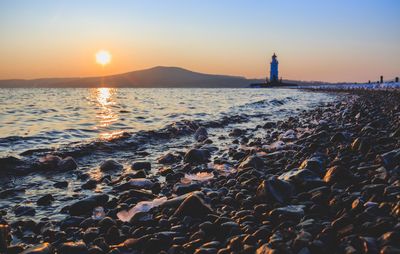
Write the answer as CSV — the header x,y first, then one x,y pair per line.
x,y
332,40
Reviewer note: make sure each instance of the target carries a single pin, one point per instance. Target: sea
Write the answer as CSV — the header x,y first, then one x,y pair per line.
x,y
51,118
126,125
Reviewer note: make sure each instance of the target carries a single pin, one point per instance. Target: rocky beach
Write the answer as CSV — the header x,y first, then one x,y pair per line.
x,y
325,180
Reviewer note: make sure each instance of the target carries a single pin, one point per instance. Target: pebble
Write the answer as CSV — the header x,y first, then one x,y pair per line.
x,y
197,156
139,165
45,200
86,206
274,189
193,206
110,165
73,248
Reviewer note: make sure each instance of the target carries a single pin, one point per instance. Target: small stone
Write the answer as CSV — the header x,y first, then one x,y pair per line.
x,y
266,249
45,200
361,145
90,234
391,159
288,212
86,206
275,190
169,158
24,211
67,164
110,165
337,174
139,165
338,137
44,248
49,162
236,132
61,185
106,223
201,134
313,164
89,185
136,183
390,250
73,248
181,189
195,156
303,239
305,178
252,162
71,221
193,206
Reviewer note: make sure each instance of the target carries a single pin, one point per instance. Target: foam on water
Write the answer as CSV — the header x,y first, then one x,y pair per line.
x,y
46,119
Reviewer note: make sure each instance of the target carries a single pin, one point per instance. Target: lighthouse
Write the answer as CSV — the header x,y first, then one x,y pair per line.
x,y
273,77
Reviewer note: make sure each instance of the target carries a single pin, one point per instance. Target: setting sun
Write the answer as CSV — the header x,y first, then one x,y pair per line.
x,y
103,57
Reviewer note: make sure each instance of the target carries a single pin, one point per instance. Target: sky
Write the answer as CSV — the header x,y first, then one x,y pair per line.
x,y
329,40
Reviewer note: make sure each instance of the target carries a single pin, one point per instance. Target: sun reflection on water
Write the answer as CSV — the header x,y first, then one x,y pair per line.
x,y
107,115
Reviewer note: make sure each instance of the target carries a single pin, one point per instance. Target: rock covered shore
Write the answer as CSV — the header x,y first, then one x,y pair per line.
x,y
326,181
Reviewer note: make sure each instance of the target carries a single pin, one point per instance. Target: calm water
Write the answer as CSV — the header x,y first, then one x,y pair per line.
x,y
50,118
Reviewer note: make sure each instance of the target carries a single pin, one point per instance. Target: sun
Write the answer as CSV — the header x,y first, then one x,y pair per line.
x,y
103,57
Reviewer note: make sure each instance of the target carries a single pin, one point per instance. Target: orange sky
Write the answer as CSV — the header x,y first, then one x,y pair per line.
x,y
337,43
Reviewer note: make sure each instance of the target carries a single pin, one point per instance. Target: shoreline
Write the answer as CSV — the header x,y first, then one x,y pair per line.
x,y
325,181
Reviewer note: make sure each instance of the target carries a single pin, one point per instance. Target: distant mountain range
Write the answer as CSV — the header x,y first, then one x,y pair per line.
x,y
159,76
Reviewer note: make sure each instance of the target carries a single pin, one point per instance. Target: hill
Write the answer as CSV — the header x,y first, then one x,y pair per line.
x,y
159,76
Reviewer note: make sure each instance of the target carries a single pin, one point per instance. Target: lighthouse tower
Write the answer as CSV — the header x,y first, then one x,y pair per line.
x,y
273,77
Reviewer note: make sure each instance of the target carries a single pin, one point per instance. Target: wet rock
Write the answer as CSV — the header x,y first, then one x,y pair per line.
x,y
275,190
197,156
73,248
391,159
136,183
181,189
49,162
390,238
236,132
11,192
395,134
201,134
9,163
90,234
288,212
169,158
45,200
71,221
314,164
89,185
165,171
61,185
24,211
87,205
305,178
289,135
110,165
390,250
303,239
67,164
139,165
362,145
4,237
269,125
106,223
252,162
338,137
266,249
44,248
193,206
337,174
